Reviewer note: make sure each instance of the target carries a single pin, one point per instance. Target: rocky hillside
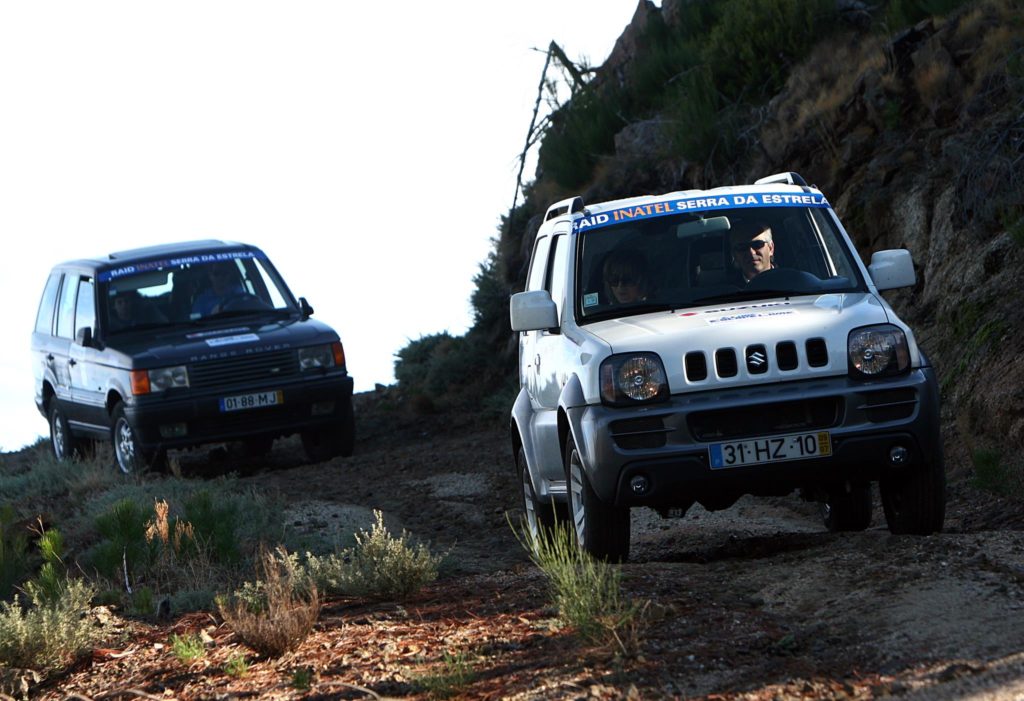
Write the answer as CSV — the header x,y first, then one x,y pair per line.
x,y
916,136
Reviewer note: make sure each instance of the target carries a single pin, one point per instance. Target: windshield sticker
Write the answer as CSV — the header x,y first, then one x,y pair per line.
x,y
232,340
699,204
751,315
590,300
198,259
218,332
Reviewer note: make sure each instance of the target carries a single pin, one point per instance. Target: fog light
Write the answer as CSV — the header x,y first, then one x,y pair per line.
x,y
322,408
639,484
899,455
173,430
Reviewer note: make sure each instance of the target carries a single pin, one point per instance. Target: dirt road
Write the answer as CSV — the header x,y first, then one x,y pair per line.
x,y
755,602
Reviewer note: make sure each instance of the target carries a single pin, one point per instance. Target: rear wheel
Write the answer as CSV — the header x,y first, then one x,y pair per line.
x,y
915,503
848,508
129,456
601,529
63,443
540,517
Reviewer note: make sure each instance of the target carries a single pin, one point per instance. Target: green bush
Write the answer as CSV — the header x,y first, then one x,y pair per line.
x,y
48,586
455,674
586,591
187,648
48,635
15,559
380,566
124,551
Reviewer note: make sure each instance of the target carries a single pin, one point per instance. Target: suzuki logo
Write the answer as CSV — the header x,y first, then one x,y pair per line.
x,y
757,358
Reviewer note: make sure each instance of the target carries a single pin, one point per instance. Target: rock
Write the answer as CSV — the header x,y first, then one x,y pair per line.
x,y
641,139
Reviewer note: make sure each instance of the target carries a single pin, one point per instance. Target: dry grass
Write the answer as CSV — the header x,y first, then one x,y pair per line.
x,y
284,613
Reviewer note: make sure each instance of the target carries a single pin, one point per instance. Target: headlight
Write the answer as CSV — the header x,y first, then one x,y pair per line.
x,y
878,351
316,357
633,378
158,380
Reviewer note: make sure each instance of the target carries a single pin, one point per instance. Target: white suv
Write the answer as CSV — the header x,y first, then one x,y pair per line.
x,y
702,345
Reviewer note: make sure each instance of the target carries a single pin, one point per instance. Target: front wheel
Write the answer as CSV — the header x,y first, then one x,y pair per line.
x,y
322,444
129,456
601,529
540,517
915,503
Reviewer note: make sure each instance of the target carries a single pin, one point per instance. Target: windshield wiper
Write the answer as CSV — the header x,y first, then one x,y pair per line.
x,y
744,295
621,310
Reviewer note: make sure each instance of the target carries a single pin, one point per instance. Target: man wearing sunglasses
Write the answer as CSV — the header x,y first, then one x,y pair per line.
x,y
753,250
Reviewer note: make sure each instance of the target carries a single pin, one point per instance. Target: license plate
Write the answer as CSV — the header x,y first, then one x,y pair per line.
x,y
256,400
775,449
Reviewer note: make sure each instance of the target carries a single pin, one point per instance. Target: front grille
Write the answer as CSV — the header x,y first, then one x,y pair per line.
x,y
725,361
766,419
757,359
255,368
785,355
817,352
890,405
645,432
696,366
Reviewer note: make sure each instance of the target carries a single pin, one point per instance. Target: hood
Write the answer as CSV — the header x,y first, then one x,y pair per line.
x,y
190,344
673,335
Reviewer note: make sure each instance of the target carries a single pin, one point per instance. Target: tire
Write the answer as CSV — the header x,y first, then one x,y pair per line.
x,y
848,508
129,457
323,444
540,517
64,445
600,529
915,503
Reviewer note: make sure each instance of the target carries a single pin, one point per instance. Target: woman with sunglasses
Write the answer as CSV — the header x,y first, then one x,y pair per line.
x,y
753,250
625,277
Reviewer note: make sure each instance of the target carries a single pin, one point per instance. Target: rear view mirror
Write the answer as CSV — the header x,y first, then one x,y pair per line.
x,y
533,311
83,336
702,226
304,308
892,269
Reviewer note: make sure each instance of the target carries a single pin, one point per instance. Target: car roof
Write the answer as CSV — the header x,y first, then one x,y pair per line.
x,y
120,258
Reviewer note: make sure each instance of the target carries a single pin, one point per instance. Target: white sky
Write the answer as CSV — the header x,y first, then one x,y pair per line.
x,y
369,148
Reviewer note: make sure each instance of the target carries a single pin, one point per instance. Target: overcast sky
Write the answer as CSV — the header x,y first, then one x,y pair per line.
x,y
368,148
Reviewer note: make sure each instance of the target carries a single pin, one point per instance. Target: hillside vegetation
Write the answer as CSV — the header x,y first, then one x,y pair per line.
x,y
909,115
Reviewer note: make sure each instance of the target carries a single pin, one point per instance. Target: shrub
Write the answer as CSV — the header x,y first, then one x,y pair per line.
x,y
15,559
586,591
380,566
49,585
236,666
187,648
48,635
277,613
455,674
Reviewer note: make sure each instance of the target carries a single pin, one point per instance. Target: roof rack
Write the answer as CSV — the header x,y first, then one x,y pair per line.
x,y
789,178
569,206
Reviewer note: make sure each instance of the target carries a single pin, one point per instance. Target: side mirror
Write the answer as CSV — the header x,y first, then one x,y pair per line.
x,y
83,336
892,269
533,311
304,308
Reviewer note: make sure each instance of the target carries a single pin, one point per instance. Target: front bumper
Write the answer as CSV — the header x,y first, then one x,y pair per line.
x,y
185,418
668,444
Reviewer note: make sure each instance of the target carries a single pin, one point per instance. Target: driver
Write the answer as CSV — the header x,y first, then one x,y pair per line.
x,y
223,285
753,250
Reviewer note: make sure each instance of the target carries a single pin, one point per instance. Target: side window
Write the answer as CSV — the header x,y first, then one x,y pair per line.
x,y
85,308
556,274
44,317
538,265
66,308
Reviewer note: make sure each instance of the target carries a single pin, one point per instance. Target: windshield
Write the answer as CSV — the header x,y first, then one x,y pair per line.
x,y
191,289
713,256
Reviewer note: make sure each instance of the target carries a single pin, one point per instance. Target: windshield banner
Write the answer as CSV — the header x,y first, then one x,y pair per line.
x,y
162,263
699,204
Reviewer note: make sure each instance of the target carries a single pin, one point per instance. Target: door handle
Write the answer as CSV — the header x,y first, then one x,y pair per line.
x,y
536,362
